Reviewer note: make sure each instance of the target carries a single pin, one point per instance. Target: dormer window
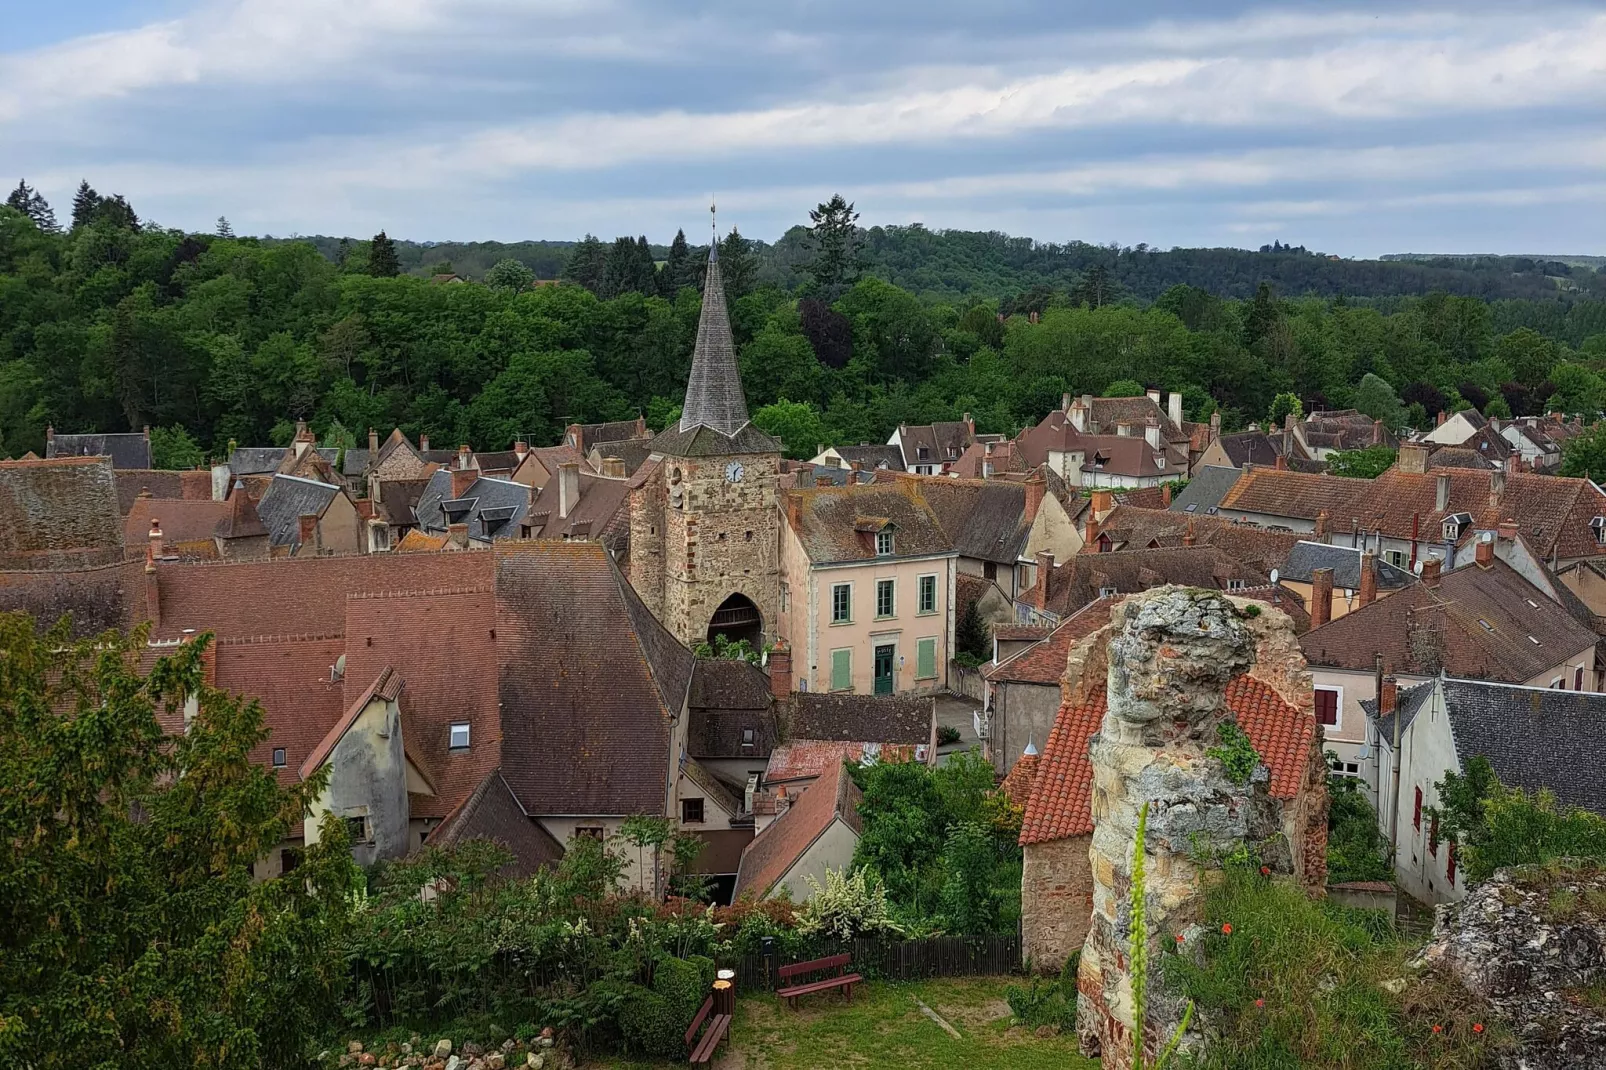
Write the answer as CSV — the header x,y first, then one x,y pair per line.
x,y
922,452
1598,525
1159,461
883,543
1453,526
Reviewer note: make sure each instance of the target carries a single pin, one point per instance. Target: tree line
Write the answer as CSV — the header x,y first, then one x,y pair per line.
x,y
114,323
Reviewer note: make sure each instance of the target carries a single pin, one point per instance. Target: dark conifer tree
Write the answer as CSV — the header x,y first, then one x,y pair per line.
x,y
116,211
588,264
84,204
43,216
382,260
646,268
676,271
737,265
834,240
223,228
20,196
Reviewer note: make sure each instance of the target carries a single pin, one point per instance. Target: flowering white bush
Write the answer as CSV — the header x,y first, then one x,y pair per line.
x,y
847,905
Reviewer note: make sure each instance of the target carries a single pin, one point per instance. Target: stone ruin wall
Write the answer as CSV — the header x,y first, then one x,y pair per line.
x,y
1165,661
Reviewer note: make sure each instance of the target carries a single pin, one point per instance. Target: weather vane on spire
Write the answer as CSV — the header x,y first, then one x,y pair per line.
x,y
713,218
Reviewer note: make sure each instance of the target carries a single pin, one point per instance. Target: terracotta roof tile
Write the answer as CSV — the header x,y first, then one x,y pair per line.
x,y
492,812
805,759
777,849
182,521
59,514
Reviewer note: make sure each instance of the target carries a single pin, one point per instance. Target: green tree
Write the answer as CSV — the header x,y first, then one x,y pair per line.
x,y
1494,825
969,863
972,637
834,245
84,205
780,364
382,260
509,274
129,919
1123,388
1368,463
224,230
1284,405
678,270
172,448
737,266
1584,456
588,263
1578,391
796,423
1377,399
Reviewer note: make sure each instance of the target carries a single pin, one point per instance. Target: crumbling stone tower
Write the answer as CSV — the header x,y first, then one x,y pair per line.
x,y
1170,655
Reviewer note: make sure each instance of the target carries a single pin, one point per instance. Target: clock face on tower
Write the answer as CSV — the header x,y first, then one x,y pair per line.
x,y
734,472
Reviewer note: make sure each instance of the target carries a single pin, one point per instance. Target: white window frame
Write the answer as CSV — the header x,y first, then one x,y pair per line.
x,y
1395,558
891,587
885,544
1236,585
452,736
1338,710
279,759
848,618
920,594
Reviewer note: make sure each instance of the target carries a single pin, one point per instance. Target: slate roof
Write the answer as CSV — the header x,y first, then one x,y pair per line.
x,y
592,435
125,450
1459,457
57,514
1345,561
603,512
877,718
492,508
706,442
873,457
714,397
287,500
353,463
943,442
983,518
1344,429
1408,702
1483,623
256,460
1251,447
777,849
1063,787
976,461
492,812
1078,581
830,519
1205,490
588,682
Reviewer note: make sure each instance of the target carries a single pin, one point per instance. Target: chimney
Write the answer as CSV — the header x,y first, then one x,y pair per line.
x,y
1413,458
1441,499
1432,566
1497,487
307,529
1174,407
156,539
1282,463
1078,414
1377,432
1389,698
1288,421
373,443
463,456
423,443
153,592
50,431
1151,432
1045,566
970,429
1367,594
568,488
520,449
1065,402
794,512
1188,536
457,535
303,439
1102,503
1321,526
1441,419
1508,528
613,467
1321,597
1090,533
1484,552
780,670
1036,487
462,479
1165,495
1154,396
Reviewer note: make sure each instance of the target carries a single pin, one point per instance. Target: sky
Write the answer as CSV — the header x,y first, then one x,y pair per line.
x,y
1351,128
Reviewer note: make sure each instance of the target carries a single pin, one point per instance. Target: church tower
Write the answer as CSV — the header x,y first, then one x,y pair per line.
x,y
704,525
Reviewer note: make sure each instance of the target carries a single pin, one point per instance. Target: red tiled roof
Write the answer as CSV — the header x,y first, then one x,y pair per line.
x,y
387,685
777,849
1058,806
803,759
182,521
1044,662
1017,786
290,677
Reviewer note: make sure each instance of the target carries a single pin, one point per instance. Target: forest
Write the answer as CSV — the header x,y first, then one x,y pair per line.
x,y
110,323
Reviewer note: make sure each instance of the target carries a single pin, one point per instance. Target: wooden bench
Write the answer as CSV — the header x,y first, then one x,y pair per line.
x,y
840,979
701,1049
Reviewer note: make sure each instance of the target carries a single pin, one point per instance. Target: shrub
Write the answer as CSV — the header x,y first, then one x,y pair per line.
x,y
1047,1001
847,906
969,859
648,1023
1356,850
1236,753
947,734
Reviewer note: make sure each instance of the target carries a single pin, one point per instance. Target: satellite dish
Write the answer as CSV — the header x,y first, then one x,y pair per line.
x,y
1275,576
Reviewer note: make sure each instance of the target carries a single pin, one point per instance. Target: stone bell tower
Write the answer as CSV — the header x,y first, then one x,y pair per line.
x,y
704,525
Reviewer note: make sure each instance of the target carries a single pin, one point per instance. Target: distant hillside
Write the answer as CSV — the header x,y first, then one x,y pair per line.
x,y
956,264
1594,263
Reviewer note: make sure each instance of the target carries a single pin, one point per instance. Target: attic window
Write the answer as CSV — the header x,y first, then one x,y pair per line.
x,y
1599,524
1159,461
922,452
747,738
459,737
1532,640
1485,625
278,758
883,542
1109,592
1531,603
1235,585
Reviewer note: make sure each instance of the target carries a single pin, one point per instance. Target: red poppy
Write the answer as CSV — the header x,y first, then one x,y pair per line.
x,y
1260,1003
1438,1029
1179,938
1265,871
1477,1027
1227,928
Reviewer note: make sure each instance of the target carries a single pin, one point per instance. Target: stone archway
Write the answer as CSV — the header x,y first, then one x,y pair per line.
x,y
737,618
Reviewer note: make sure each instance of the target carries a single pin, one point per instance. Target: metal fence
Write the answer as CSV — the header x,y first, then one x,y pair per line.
x,y
902,960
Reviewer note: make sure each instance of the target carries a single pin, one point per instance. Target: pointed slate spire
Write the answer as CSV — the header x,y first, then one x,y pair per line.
x,y
714,397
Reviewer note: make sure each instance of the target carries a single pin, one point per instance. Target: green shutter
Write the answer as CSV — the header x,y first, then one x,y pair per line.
x,y
841,670
926,659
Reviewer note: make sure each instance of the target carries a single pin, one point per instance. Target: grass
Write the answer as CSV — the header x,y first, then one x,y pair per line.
x,y
884,1026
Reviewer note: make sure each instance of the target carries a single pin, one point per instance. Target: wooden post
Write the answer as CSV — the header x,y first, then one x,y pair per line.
x,y
725,992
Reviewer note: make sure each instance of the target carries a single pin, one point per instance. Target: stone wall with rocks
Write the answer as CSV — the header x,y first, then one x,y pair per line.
x,y
540,1052
1056,901
1170,654
1533,943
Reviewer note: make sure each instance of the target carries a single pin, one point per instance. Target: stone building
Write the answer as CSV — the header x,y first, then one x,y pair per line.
x,y
704,526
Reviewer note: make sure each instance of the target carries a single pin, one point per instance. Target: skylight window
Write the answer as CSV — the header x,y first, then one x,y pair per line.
x,y
1532,640
1531,602
1485,625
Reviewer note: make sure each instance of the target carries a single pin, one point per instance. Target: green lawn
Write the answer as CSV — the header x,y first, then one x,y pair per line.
x,y
883,1026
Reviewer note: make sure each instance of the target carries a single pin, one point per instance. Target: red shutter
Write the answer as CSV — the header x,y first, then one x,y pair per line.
x,y
1578,678
1450,868
1326,706
1433,836
1416,819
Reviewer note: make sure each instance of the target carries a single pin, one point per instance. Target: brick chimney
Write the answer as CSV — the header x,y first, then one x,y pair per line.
x,y
1483,553
1165,495
1432,567
781,670
307,525
1188,536
1090,533
613,467
1441,419
568,488
1282,463
462,479
1412,458
423,443
1441,496
1389,698
373,443
1321,597
1045,566
520,448
1103,502
1321,526
1497,487
457,535
1036,487
1377,432
156,539
794,512
1508,528
1368,589
153,592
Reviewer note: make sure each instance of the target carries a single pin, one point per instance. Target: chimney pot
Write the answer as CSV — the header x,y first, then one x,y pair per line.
x,y
423,443
462,480
780,670
1321,597
568,488
1368,589
1389,700
1432,568
520,448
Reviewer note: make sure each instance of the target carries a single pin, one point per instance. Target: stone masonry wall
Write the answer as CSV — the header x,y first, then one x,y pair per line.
x,y
1056,900
721,540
